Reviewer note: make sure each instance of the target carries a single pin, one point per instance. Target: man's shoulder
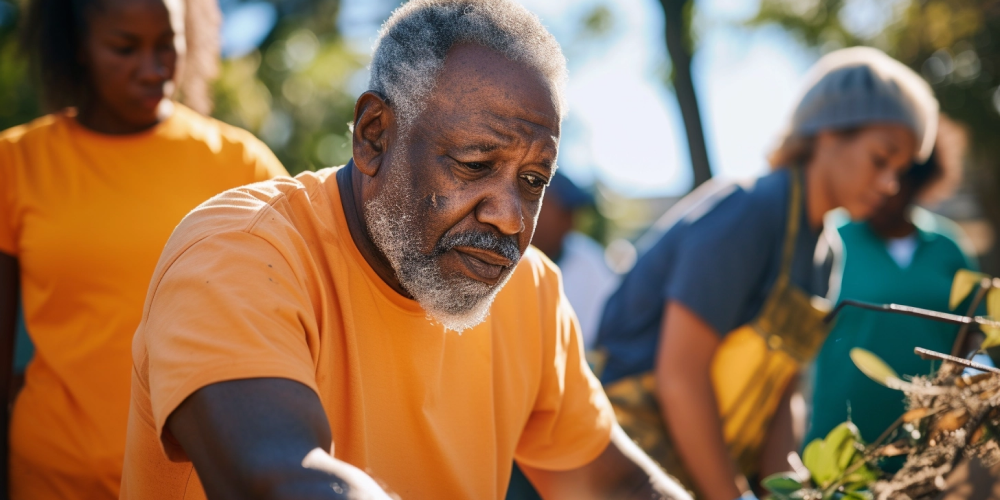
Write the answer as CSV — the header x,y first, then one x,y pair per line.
x,y
275,207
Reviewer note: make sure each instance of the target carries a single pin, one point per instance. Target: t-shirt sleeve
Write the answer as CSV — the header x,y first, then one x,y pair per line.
x,y
571,422
229,307
8,186
721,262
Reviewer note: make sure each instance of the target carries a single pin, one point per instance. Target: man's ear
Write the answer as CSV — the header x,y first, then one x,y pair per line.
x,y
374,121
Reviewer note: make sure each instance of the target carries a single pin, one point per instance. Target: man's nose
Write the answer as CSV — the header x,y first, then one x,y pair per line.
x,y
502,209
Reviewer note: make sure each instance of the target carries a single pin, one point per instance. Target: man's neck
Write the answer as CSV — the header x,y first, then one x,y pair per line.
x,y
350,183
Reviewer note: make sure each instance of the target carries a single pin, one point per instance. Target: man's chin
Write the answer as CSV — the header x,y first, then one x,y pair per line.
x,y
461,321
458,309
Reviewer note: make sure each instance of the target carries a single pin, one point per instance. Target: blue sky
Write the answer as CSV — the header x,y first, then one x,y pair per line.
x,y
624,127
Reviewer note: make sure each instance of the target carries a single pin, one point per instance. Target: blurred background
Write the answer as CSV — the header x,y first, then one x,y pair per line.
x,y
662,94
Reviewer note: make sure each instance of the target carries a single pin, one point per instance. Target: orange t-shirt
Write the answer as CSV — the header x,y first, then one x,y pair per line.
x,y
265,281
86,215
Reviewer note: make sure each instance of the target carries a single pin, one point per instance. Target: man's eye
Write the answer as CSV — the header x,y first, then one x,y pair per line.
x,y
475,166
535,181
123,50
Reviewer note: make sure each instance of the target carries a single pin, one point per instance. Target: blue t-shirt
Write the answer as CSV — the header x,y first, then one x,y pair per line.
x,y
719,256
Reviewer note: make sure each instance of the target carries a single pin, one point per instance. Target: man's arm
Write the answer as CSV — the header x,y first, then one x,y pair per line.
x,y
621,471
9,288
687,400
264,438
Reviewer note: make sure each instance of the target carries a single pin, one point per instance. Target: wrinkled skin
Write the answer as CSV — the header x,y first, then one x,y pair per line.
x,y
478,159
479,171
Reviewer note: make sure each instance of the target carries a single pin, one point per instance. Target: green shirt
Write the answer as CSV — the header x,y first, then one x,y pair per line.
x,y
871,275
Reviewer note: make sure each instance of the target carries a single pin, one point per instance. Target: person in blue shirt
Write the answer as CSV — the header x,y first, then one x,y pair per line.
x,y
708,331
903,254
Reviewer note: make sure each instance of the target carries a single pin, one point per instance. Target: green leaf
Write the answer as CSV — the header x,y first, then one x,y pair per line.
x,y
858,495
963,284
992,335
873,366
862,478
993,303
811,458
782,484
993,310
828,458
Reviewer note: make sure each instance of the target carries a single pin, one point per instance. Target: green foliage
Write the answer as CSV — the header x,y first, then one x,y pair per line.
x,y
18,97
814,22
294,91
783,486
954,43
837,470
962,285
873,366
598,22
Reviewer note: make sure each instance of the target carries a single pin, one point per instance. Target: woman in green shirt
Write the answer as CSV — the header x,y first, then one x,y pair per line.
x,y
905,255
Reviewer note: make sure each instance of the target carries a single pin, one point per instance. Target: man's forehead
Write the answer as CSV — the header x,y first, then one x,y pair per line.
x,y
483,132
481,83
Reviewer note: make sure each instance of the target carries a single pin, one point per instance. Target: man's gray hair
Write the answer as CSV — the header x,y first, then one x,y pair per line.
x,y
413,43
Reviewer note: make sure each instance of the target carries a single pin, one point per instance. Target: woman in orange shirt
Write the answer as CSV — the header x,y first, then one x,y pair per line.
x,y
88,196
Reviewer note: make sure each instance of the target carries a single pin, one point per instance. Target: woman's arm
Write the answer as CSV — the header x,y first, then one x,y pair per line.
x,y
9,287
784,434
687,400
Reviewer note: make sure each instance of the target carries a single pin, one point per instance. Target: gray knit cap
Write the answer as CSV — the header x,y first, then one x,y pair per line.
x,y
857,86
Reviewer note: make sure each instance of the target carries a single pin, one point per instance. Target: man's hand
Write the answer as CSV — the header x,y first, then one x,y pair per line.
x,y
265,438
622,471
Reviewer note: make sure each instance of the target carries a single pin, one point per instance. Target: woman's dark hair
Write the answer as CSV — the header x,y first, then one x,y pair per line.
x,y
50,36
921,175
53,31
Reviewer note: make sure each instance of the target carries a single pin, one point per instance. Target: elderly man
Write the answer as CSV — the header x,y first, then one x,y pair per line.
x,y
387,316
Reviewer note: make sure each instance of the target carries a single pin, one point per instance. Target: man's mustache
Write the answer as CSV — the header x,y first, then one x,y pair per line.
x,y
505,246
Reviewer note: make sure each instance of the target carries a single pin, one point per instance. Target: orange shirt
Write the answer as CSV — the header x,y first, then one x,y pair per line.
x,y
87,215
265,281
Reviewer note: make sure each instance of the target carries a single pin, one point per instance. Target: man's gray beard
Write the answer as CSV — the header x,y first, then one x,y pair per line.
x,y
457,302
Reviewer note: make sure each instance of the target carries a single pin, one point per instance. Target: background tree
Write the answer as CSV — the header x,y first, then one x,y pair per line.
x,y
955,44
295,91
680,45
18,98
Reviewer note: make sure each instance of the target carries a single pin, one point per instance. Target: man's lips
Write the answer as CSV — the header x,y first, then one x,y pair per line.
x,y
487,265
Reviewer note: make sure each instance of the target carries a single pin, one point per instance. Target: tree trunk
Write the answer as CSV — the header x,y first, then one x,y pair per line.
x,y
687,99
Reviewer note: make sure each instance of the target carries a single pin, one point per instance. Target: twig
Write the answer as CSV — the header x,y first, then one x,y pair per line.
x,y
928,354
